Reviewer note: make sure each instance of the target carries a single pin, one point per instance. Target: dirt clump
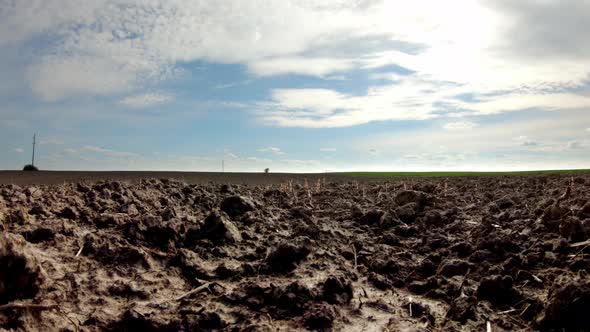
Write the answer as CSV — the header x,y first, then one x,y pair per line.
x,y
319,317
68,213
454,267
585,210
337,290
411,196
218,228
111,250
286,256
498,290
407,213
553,214
375,217
462,309
433,218
568,308
236,206
38,235
132,320
574,229
504,203
280,301
20,274
126,290
192,266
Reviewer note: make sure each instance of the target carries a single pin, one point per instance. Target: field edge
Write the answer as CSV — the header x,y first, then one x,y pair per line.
x,y
463,174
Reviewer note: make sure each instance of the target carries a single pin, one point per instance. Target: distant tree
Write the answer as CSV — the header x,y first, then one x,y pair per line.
x,y
30,167
266,170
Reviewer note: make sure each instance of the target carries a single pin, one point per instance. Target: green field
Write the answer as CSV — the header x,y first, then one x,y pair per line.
x,y
450,174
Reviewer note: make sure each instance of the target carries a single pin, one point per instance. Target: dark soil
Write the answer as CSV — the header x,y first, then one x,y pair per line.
x,y
316,254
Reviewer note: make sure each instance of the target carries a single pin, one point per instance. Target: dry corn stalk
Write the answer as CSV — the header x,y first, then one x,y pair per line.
x,y
318,185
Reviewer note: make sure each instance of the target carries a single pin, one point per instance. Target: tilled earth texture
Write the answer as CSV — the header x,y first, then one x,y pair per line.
x,y
458,254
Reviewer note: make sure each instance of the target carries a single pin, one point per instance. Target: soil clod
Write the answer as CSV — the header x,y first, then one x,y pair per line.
x,y
236,206
218,228
498,290
568,308
286,257
20,273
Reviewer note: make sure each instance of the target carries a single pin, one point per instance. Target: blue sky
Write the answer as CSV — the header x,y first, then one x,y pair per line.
x,y
295,86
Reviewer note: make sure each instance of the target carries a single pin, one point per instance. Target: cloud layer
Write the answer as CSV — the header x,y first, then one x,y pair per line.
x,y
146,100
546,137
116,47
449,67
113,46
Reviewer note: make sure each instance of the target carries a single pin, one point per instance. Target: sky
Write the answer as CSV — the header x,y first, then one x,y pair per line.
x,y
295,86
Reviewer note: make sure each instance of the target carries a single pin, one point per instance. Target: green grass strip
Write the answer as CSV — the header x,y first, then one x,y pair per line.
x,y
453,174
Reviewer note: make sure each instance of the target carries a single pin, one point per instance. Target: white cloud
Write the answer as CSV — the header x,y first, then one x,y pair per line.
x,y
194,159
556,25
240,163
108,152
328,108
460,125
109,47
300,162
494,146
530,143
19,150
51,141
271,149
576,145
386,76
519,101
548,132
236,159
146,100
20,20
529,48
410,98
300,65
488,47
256,160
437,157
57,77
328,149
231,155
232,84
587,129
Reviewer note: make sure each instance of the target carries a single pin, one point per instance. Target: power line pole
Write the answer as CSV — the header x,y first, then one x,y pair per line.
x,y
222,166
34,142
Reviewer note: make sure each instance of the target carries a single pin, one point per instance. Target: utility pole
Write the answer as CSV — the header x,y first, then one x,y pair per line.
x,y
222,166
34,142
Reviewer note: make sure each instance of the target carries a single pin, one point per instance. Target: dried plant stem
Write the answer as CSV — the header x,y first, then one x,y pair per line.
x,y
80,251
194,291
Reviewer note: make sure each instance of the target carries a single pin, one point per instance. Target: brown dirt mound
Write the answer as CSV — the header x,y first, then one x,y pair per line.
x,y
20,274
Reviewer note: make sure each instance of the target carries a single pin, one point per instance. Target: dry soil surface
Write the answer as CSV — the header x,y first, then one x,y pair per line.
x,y
59,177
504,253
